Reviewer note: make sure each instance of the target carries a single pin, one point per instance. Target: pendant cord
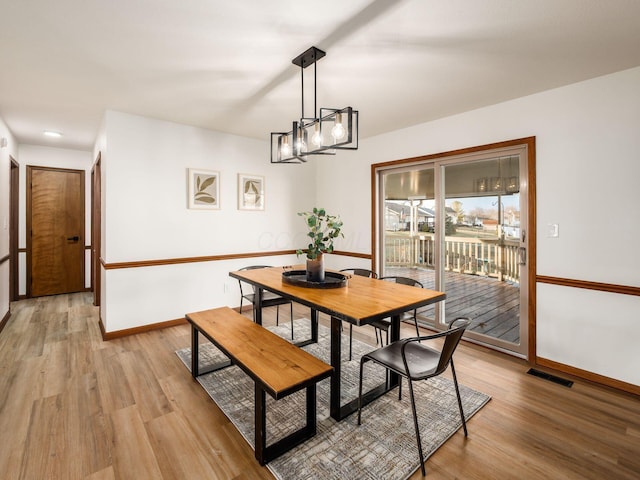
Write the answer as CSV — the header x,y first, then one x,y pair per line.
x,y
302,92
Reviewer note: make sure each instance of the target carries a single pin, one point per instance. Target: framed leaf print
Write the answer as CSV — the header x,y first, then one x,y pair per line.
x,y
204,189
250,192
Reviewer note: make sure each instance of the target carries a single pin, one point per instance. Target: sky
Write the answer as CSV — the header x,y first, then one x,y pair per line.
x,y
486,203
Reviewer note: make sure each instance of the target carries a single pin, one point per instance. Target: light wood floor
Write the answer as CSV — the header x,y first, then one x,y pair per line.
x,y
75,407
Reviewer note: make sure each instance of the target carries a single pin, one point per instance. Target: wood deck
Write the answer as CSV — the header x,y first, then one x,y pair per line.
x,y
493,306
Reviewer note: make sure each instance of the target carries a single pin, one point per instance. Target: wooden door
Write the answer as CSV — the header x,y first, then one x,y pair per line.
x,y
55,231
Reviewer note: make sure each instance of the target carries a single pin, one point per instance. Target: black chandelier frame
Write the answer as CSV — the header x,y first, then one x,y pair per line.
x,y
334,129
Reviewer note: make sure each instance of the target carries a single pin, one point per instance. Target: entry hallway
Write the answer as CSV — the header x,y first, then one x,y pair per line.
x,y
75,407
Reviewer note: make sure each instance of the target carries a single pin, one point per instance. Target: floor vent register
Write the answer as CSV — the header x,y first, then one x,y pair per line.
x,y
552,378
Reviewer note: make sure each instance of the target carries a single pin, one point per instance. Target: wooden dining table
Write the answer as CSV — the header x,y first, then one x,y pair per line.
x,y
360,302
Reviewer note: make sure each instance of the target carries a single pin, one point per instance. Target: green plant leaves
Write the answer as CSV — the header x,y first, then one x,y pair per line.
x,y
323,229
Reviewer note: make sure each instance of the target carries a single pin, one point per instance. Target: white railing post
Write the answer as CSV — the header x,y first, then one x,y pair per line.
x,y
464,255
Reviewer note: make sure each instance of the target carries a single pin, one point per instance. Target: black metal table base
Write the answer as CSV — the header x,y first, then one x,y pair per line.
x,y
338,411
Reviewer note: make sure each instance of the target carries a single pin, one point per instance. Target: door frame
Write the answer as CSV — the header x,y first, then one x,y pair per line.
x,y
30,169
14,249
96,229
530,241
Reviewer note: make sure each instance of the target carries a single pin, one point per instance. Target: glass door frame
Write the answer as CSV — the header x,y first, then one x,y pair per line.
x,y
439,161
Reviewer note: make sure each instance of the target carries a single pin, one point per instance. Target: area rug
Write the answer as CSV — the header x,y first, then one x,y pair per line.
x,y
383,447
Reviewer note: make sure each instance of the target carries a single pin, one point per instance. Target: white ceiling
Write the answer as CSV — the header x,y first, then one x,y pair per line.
x,y
226,65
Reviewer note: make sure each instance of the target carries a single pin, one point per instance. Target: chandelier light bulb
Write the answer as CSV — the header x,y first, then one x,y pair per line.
x,y
285,149
301,146
316,139
338,131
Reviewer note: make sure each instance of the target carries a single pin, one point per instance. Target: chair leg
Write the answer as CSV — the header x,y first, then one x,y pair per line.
x,y
277,315
455,383
415,423
415,320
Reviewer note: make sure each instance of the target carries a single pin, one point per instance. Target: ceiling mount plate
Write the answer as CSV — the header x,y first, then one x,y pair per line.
x,y
309,57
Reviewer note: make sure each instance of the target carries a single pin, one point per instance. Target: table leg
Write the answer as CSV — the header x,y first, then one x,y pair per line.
x,y
395,328
336,337
338,411
194,351
314,331
258,305
314,325
394,378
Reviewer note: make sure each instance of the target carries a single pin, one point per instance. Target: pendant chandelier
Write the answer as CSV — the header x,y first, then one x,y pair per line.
x,y
333,129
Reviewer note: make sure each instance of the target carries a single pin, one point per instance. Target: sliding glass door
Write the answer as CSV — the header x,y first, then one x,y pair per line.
x,y
456,224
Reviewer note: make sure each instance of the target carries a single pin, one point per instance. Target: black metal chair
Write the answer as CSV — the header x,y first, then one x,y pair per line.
x,y
363,272
384,324
269,299
417,361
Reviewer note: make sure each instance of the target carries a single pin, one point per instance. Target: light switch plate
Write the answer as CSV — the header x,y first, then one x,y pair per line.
x,y
553,230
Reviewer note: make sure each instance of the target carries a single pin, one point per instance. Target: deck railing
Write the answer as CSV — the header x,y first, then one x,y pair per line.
x,y
493,258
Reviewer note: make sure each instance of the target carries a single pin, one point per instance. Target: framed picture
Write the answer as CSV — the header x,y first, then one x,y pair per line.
x,y
250,192
204,189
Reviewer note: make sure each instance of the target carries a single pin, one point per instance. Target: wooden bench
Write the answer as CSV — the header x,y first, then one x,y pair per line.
x,y
276,366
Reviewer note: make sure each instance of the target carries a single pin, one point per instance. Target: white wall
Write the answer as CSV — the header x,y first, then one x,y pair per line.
x,y
587,140
11,150
145,217
594,331
587,170
100,149
37,156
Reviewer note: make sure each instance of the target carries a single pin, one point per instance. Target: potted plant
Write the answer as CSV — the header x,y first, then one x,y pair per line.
x,y
323,229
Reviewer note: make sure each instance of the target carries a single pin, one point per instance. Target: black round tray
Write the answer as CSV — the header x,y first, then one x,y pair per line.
x,y
299,278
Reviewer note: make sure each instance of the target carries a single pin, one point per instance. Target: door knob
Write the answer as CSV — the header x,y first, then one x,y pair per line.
x,y
73,239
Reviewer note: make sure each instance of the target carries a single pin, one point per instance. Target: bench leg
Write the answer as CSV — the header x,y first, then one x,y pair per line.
x,y
260,423
311,408
195,360
264,453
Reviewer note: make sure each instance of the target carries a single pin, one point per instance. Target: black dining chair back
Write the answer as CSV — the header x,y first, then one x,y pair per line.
x,y
269,299
403,280
418,361
363,272
384,324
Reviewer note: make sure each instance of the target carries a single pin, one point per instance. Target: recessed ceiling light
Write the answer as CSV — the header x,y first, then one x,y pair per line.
x,y
52,134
